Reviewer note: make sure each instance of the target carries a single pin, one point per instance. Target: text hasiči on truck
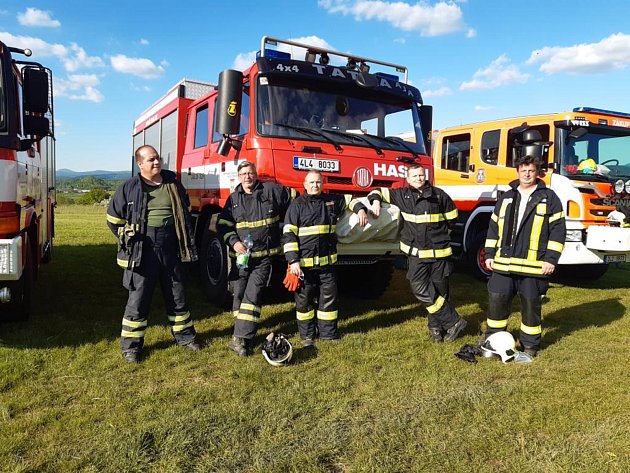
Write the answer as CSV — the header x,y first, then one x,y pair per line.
x,y
297,108
585,157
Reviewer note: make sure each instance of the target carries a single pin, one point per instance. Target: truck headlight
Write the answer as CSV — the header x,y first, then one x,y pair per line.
x,y
7,262
574,235
619,185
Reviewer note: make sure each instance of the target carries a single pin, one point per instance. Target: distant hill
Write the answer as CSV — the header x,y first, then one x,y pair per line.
x,y
107,175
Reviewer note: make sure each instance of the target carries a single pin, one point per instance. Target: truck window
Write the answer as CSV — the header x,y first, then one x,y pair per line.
x,y
456,152
152,135
2,100
529,148
201,126
168,142
490,146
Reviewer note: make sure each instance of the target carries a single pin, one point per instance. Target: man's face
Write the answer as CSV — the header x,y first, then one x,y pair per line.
x,y
527,175
313,183
416,177
247,176
150,163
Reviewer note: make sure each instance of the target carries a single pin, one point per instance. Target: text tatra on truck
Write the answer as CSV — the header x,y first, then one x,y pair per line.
x,y
297,108
27,178
586,161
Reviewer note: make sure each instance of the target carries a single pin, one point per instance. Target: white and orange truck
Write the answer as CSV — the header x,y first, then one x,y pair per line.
x,y
586,161
27,178
297,107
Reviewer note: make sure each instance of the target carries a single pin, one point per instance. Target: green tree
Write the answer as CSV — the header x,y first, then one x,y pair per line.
x,y
93,197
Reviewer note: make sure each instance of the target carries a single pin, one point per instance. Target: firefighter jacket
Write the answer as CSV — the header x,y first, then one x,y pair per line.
x,y
309,234
428,215
127,219
257,214
540,237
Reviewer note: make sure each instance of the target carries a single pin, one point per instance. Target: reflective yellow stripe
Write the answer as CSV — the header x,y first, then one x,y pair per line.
x,y
556,216
501,218
305,315
235,313
179,328
490,243
519,261
227,223
494,218
496,323
115,220
227,236
451,215
247,317
252,307
321,315
555,246
261,253
347,198
134,324
127,334
439,253
291,247
422,218
385,193
536,330
179,318
318,261
316,230
437,305
534,236
288,228
258,223
516,268
123,263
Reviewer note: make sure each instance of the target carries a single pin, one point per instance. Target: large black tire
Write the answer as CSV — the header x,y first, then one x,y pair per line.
x,y
20,306
215,268
365,281
475,258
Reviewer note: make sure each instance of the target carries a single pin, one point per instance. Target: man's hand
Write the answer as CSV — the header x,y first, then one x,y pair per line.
x,y
240,248
376,208
548,268
294,268
490,263
363,218
292,281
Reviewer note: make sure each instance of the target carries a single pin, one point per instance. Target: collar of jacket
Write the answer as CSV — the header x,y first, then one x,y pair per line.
x,y
257,186
425,191
540,184
167,176
308,196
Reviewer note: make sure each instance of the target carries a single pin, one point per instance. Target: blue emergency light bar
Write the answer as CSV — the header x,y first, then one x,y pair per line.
x,y
274,54
384,75
601,111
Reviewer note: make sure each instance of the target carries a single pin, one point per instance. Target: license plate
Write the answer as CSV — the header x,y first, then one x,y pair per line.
x,y
329,165
614,258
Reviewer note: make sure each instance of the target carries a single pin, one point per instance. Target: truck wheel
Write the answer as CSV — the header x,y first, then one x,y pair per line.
x,y
476,258
19,309
365,282
215,267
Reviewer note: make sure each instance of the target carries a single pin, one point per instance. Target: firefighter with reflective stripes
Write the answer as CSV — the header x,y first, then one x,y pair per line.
x,y
254,209
428,213
310,248
525,238
149,215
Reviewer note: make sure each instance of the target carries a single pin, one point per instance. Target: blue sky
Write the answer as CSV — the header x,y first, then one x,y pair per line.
x,y
473,60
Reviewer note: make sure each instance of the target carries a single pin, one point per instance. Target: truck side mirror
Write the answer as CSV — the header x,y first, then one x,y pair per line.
x,y
229,102
35,90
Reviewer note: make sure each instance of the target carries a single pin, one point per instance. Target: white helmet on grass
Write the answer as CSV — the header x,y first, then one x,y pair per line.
x,y
501,344
277,350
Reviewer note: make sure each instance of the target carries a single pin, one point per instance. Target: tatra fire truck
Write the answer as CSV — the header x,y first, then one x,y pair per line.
x,y
309,108
586,161
27,178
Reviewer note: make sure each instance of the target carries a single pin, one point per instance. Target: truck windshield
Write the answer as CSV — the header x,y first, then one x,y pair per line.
x,y
342,115
601,153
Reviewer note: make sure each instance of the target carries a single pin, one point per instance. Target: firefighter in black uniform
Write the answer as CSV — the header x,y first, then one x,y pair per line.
x,y
525,238
251,213
310,248
149,215
428,213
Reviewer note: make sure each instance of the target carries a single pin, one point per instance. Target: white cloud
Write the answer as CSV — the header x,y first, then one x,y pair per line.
x,y
499,73
443,18
440,92
79,87
144,42
610,54
73,57
483,108
35,17
244,60
140,67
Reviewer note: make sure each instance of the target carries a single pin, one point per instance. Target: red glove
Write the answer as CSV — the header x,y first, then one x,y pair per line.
x,y
291,281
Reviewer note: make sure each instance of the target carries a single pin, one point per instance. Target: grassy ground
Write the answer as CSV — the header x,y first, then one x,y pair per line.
x,y
383,400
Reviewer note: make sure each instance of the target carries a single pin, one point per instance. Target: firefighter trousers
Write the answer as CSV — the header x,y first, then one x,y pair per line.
x,y
160,263
501,291
429,283
247,286
316,304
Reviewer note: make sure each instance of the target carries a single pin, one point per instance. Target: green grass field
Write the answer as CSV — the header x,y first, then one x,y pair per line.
x,y
385,399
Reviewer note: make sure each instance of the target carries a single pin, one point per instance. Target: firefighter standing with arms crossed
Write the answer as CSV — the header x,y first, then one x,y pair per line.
x,y
525,238
149,215
310,248
427,213
251,216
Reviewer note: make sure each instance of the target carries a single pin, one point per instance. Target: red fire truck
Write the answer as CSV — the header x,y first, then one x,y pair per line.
x,y
27,178
309,108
